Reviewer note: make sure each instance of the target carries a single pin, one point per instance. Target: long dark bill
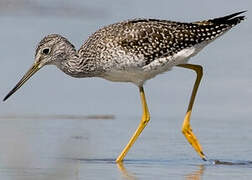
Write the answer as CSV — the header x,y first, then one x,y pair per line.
x,y
29,73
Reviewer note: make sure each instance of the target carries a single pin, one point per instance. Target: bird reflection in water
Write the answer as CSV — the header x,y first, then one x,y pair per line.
x,y
196,175
126,174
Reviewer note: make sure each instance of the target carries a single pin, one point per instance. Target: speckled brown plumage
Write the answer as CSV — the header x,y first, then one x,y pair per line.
x,y
139,46
151,39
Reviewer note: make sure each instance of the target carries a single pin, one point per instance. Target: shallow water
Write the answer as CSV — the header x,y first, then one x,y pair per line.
x,y
86,149
56,127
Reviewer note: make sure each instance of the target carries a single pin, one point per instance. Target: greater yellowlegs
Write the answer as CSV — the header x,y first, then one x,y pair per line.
x,y
134,51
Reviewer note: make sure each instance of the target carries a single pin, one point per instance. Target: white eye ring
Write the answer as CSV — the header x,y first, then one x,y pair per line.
x,y
46,51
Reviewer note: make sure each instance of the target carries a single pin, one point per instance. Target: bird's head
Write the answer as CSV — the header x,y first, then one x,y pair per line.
x,y
52,49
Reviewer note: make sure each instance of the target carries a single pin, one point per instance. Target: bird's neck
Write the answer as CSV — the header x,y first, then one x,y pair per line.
x,y
78,66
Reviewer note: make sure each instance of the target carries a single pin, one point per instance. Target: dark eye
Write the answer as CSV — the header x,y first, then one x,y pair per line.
x,y
46,51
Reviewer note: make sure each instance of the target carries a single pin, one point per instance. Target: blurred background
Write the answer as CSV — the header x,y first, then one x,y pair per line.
x,y
42,134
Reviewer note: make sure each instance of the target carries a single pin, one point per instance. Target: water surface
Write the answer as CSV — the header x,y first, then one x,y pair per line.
x,y
87,148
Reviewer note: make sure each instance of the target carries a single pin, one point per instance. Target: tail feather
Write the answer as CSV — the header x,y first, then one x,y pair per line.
x,y
214,28
231,19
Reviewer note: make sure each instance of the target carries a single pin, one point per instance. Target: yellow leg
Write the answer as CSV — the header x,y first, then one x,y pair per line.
x,y
141,126
186,128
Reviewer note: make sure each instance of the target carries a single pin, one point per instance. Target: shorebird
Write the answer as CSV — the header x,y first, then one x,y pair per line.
x,y
135,51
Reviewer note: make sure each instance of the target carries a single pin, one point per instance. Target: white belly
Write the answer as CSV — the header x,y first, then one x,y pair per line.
x,y
138,75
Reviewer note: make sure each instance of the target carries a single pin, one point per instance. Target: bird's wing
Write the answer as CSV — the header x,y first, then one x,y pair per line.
x,y
155,39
